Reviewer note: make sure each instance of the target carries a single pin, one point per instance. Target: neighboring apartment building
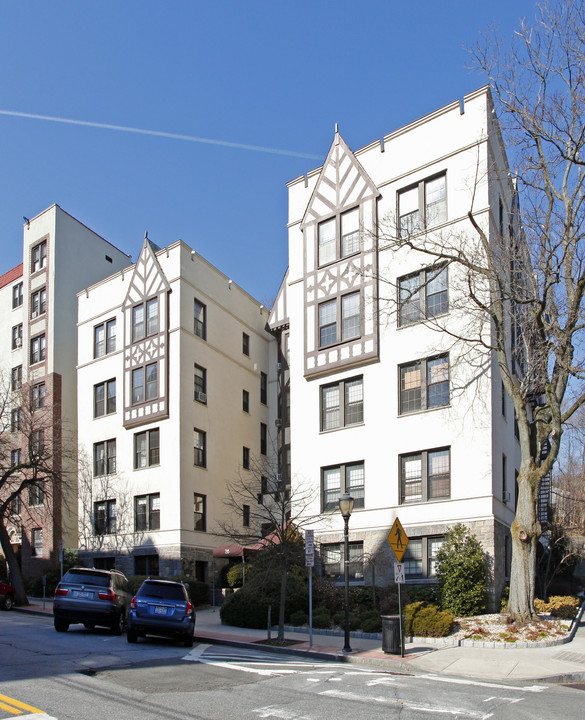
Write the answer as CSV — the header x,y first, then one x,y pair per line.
x,y
383,406
38,354
174,402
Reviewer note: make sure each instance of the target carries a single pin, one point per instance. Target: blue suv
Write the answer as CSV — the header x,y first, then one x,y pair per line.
x,y
161,607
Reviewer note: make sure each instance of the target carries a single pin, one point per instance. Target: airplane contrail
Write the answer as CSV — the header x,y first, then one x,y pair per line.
x,y
158,133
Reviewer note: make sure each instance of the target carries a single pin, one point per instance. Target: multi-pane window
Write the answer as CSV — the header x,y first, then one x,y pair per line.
x,y
15,505
145,319
346,227
245,401
16,378
146,448
420,557
38,349
36,542
15,457
200,383
425,475
104,398
246,458
104,517
37,395
16,420
17,336
263,388
38,303
422,205
333,561
38,258
104,458
424,384
145,383
17,298
332,328
104,338
199,448
147,512
146,565
200,319
36,494
199,512
246,515
342,479
342,403
245,343
423,295
263,438
37,443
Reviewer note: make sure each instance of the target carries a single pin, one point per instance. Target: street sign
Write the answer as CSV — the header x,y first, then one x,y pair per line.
x,y
309,559
309,542
399,573
398,539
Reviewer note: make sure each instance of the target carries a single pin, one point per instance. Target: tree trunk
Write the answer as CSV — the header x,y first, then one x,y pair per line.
x,y
15,572
282,598
526,532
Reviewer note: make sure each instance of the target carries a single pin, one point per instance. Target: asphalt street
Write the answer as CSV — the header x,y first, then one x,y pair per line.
x,y
92,675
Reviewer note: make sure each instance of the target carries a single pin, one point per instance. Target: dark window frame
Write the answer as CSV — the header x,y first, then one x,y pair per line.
x,y
200,319
17,295
344,407
38,256
424,487
106,464
107,404
339,330
330,495
199,512
107,343
343,244
431,392
149,520
419,219
200,451
151,450
105,517
415,303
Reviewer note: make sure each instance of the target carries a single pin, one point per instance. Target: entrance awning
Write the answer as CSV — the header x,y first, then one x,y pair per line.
x,y
233,551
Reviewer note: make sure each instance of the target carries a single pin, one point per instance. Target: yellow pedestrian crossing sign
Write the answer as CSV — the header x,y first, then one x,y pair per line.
x,y
398,539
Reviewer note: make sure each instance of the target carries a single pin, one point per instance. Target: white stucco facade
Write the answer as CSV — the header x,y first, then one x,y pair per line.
x,y
434,460
192,417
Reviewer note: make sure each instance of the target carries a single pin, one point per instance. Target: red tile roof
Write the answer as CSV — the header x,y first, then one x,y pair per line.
x,y
11,276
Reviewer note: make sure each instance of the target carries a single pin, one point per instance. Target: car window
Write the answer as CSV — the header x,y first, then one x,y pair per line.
x,y
88,577
161,591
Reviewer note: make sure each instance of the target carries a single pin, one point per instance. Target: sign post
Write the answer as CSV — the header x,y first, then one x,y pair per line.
x,y
310,562
398,540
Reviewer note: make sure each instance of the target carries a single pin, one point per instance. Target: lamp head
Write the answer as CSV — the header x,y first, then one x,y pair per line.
x,y
346,505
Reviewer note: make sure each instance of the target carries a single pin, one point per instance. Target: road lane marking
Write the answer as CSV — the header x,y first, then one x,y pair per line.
x,y
479,683
418,707
15,706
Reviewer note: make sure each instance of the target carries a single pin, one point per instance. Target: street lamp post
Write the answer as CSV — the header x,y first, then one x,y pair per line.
x,y
346,507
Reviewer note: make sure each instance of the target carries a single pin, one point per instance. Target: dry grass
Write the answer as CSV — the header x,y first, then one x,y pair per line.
x,y
497,628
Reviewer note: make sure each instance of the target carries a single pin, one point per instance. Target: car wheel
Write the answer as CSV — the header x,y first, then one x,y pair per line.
x,y
119,623
88,626
132,637
188,640
61,625
8,602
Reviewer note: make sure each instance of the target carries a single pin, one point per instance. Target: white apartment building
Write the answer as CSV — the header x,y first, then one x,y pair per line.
x,y
38,355
174,402
382,405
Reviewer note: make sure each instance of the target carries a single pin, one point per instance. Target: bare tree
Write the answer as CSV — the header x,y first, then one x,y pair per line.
x,y
33,455
521,284
264,512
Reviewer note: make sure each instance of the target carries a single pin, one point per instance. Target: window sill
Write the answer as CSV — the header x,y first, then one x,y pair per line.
x,y
342,427
423,321
340,342
425,410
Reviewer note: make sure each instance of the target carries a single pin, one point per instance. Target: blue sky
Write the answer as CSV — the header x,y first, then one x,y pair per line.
x,y
256,73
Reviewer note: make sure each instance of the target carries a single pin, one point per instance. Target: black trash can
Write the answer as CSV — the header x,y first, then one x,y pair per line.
x,y
391,634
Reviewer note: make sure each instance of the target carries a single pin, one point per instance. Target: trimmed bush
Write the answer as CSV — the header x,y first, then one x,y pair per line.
x,y
370,621
234,574
409,614
299,618
561,606
431,621
322,620
461,571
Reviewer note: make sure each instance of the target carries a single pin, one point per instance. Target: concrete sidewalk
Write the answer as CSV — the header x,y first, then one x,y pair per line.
x,y
558,663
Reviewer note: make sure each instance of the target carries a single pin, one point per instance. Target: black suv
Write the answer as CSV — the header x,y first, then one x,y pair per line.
x,y
92,597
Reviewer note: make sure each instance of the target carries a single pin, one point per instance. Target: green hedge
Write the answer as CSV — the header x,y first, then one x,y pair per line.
x,y
425,620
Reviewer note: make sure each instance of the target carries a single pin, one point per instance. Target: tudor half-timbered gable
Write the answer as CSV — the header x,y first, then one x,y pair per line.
x,y
340,267
146,347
